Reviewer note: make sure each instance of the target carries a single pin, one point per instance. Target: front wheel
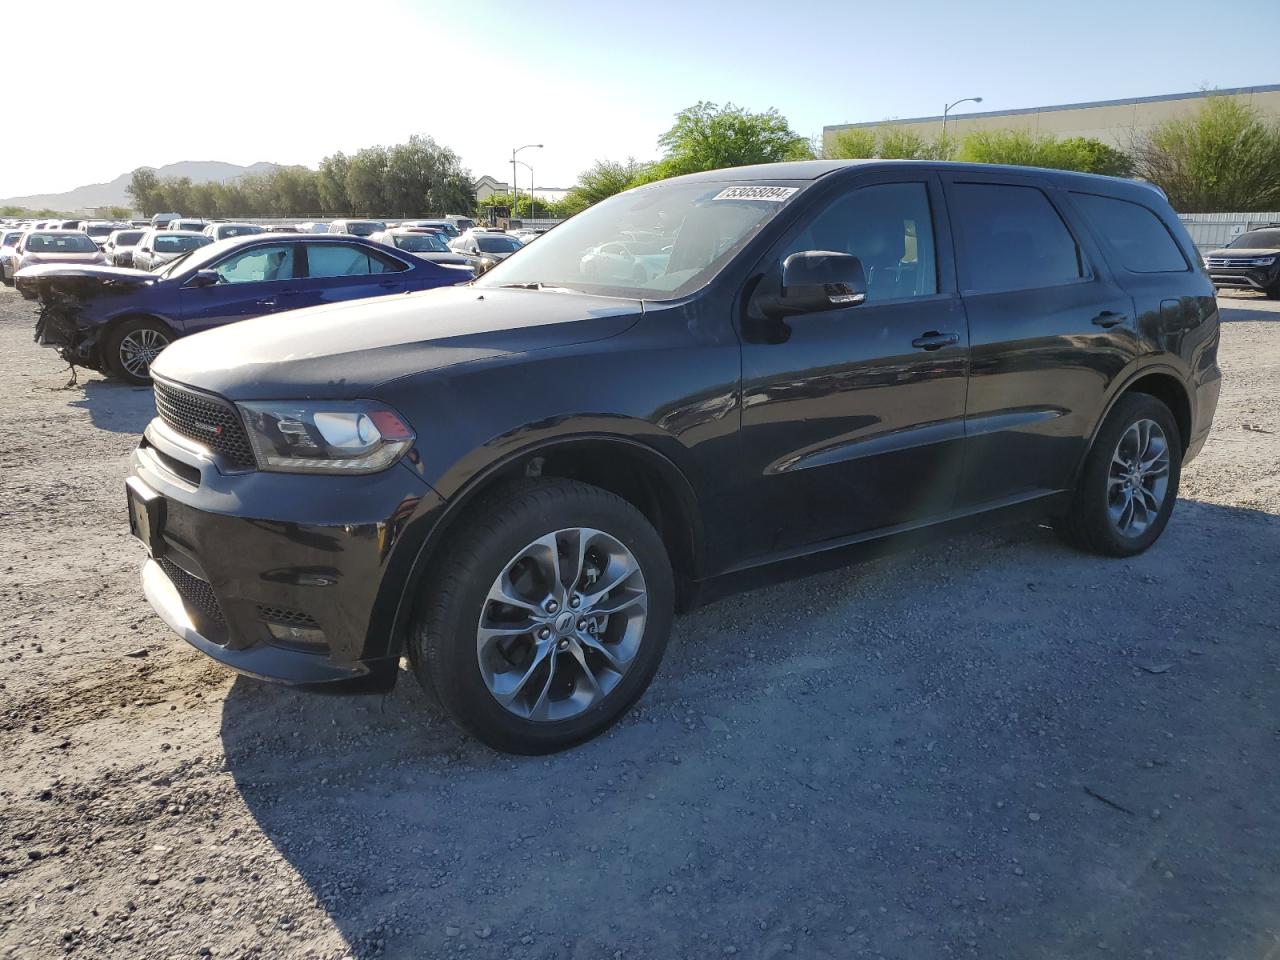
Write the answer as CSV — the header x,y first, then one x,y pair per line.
x,y
545,617
133,346
1129,483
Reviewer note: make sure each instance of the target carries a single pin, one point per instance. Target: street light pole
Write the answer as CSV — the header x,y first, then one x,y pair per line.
x,y
946,110
532,211
527,146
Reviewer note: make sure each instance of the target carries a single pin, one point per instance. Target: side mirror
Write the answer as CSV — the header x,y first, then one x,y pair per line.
x,y
816,280
203,278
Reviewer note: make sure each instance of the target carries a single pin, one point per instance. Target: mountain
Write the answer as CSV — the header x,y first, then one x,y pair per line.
x,y
116,193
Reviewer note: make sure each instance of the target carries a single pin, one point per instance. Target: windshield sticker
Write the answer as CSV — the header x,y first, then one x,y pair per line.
x,y
775,194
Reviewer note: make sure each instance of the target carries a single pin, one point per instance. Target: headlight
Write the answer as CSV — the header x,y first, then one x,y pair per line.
x,y
357,436
1264,261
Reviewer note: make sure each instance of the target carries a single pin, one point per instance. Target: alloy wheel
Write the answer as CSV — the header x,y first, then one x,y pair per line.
x,y
561,624
1138,480
139,349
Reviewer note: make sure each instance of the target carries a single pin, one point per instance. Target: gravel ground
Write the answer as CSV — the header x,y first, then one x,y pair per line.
x,y
996,747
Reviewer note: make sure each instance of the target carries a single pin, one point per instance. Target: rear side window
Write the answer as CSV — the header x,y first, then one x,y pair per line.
x,y
340,260
1011,238
1141,241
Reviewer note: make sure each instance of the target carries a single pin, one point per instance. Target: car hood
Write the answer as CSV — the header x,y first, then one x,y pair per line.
x,y
1244,252
344,350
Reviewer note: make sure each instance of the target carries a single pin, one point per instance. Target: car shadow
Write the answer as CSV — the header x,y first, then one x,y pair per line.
x,y
115,406
1247,308
990,746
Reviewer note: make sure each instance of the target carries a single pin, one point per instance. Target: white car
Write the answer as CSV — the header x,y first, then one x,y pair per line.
x,y
9,254
637,261
158,247
220,231
483,243
57,246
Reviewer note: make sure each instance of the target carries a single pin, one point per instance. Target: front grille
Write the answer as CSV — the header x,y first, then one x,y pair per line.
x,y
194,591
209,421
1235,261
288,618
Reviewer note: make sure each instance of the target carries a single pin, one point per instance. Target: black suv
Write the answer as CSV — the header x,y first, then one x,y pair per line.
x,y
517,482
1249,262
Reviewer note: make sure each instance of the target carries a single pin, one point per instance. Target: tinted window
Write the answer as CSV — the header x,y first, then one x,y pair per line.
x,y
128,238
421,243
258,265
172,244
60,243
496,243
1140,240
1257,240
237,230
340,260
1011,238
889,228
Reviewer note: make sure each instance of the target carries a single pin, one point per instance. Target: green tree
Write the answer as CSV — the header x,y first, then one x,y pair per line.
x,y
856,144
333,184
116,213
707,136
604,179
142,189
1225,156
897,143
1022,147
366,175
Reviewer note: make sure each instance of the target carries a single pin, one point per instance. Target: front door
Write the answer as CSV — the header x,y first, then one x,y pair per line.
x,y
853,418
259,280
1049,327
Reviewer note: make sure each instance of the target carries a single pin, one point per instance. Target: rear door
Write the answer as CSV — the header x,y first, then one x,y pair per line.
x,y
1049,329
258,280
337,272
853,418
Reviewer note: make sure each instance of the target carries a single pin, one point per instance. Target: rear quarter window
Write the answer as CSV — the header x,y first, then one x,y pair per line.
x,y
1139,238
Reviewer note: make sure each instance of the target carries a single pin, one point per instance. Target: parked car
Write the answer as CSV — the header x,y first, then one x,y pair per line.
x,y
429,246
357,228
100,230
444,226
158,247
118,321
187,225
282,228
141,224
483,243
55,246
312,226
9,255
460,223
513,482
220,231
119,247
1249,262
69,225
162,220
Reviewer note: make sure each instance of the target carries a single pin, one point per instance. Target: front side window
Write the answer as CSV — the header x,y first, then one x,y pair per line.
x,y
1010,237
340,260
258,265
889,228
1141,242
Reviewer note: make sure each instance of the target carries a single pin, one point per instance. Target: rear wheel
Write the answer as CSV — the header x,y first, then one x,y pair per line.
x,y
1127,489
133,346
546,617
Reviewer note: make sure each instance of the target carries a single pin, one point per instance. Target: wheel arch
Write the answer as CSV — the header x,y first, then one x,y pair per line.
x,y
635,471
1167,387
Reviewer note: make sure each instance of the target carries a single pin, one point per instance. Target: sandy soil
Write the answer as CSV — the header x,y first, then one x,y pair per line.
x,y
996,747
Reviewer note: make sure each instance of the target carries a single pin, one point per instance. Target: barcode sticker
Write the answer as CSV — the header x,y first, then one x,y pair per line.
x,y
775,194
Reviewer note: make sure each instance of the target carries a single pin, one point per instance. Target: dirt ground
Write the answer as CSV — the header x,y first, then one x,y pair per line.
x,y
992,748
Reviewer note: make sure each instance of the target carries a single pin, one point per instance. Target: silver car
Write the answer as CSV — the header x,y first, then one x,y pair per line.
x,y
158,247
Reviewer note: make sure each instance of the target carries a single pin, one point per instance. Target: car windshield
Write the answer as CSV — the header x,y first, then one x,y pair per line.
x,y
695,229
128,238
11,238
237,230
173,244
421,243
363,228
99,229
60,243
496,243
1257,240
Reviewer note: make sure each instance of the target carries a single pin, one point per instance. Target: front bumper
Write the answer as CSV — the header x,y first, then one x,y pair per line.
x,y
284,577
1246,278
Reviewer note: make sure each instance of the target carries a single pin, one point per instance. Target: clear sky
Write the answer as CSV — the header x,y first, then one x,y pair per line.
x,y
118,86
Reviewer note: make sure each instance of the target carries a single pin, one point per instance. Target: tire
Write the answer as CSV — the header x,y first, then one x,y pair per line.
x,y
132,345
544,670
1273,291
1095,520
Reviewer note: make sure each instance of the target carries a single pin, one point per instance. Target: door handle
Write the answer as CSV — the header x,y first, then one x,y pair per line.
x,y
1109,318
389,284
268,302
935,341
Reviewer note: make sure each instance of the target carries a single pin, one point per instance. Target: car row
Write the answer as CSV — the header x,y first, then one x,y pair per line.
x,y
118,320
1249,262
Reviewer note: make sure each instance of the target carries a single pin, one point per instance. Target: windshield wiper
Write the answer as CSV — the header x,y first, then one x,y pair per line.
x,y
533,285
